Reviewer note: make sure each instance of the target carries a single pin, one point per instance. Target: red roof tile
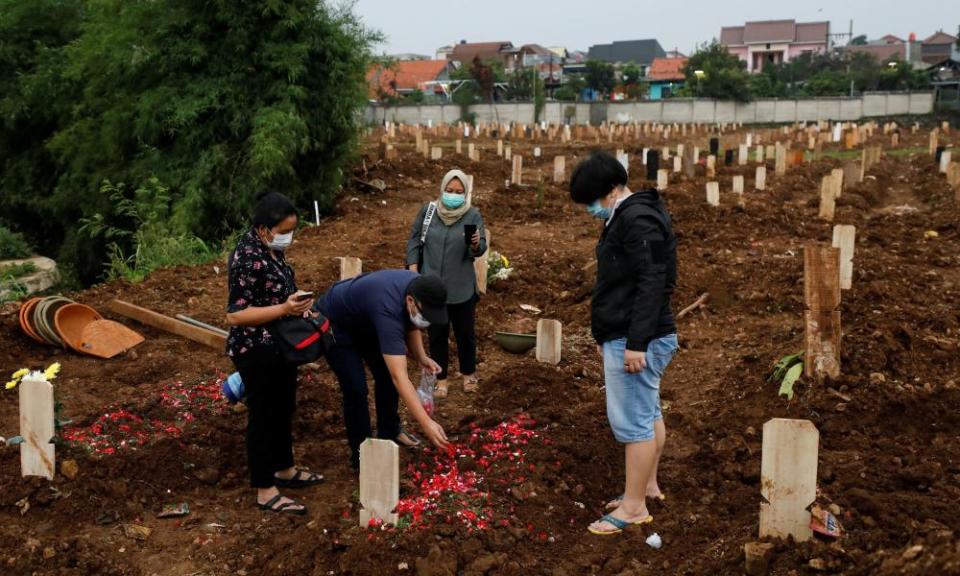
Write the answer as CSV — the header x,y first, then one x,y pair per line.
x,y
404,75
483,50
940,38
667,69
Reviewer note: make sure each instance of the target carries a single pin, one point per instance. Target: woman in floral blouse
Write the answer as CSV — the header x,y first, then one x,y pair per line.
x,y
262,290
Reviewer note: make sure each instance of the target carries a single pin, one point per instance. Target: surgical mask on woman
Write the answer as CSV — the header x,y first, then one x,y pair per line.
x,y
598,210
281,242
452,200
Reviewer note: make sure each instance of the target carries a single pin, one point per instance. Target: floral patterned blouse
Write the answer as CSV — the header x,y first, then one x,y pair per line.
x,y
255,279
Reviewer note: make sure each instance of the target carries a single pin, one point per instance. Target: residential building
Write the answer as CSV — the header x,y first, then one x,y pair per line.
x,y
503,52
665,77
939,47
639,52
443,52
549,66
889,48
774,41
407,76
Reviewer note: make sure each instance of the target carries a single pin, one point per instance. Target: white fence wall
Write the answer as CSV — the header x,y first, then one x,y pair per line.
x,y
679,110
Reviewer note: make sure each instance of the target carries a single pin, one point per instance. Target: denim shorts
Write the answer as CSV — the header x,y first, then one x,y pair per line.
x,y
633,400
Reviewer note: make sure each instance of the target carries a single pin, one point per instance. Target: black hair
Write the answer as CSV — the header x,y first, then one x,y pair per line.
x,y
271,209
596,177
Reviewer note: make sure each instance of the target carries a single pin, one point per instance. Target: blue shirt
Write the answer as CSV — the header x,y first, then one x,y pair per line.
x,y
372,304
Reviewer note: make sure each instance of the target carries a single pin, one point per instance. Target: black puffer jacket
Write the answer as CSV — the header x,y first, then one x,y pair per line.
x,y
636,273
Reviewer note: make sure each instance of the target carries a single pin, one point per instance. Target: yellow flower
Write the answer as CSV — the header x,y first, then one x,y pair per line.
x,y
20,373
12,384
504,260
51,372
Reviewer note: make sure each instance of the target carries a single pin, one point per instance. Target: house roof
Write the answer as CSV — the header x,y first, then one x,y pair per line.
x,y
483,50
636,51
940,38
406,75
774,31
667,69
881,52
892,39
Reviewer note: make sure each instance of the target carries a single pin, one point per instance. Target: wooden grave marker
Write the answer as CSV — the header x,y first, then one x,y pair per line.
x,y
677,164
350,267
663,179
37,452
837,175
549,341
743,154
516,176
559,169
945,157
507,152
780,166
844,237
788,478
379,481
459,146
711,166
436,153
713,193
821,285
760,180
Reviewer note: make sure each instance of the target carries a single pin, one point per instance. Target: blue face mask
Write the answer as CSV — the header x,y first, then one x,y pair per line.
x,y
453,201
597,210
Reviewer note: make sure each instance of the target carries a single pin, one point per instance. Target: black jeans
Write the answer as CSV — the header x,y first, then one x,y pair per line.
x,y
271,388
463,317
346,360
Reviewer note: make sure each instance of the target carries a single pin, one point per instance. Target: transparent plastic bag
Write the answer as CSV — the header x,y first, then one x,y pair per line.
x,y
428,382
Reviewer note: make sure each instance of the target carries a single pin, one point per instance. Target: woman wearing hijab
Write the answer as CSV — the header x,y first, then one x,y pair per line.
x,y
445,238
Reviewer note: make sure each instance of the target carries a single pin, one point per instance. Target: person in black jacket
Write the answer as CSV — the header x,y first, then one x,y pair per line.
x,y
632,322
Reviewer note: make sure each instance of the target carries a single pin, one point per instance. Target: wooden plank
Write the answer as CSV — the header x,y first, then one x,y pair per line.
x,y
516,176
821,277
549,341
788,478
37,454
844,236
711,166
436,153
379,481
837,175
743,154
821,344
168,324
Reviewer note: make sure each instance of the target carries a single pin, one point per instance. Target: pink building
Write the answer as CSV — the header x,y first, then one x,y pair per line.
x,y
774,41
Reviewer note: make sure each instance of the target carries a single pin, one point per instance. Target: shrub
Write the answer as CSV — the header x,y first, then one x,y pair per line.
x,y
13,245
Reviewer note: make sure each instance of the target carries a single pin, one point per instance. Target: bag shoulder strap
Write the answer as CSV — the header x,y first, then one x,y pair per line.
x,y
427,219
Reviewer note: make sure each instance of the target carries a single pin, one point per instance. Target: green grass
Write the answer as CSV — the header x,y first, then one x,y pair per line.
x,y
854,154
14,271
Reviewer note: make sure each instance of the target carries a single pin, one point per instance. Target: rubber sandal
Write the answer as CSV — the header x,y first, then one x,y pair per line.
x,y
415,442
619,526
285,508
302,479
471,384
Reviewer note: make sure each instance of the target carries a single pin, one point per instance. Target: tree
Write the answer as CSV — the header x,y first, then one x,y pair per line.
x,y
631,74
860,40
724,75
600,77
214,101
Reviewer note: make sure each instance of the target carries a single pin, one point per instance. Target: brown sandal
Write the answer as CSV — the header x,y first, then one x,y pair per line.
x,y
441,390
470,383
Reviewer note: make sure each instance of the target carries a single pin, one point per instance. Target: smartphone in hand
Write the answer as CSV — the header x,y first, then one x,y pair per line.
x,y
303,296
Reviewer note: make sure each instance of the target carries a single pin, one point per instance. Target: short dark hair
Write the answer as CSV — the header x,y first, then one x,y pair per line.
x,y
271,209
596,177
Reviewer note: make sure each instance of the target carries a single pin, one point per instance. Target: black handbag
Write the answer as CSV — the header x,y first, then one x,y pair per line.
x,y
302,340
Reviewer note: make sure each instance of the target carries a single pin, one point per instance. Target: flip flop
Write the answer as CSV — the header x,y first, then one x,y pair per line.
x,y
285,508
415,442
620,525
302,479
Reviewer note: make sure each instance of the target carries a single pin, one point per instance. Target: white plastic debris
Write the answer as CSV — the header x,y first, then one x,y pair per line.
x,y
654,541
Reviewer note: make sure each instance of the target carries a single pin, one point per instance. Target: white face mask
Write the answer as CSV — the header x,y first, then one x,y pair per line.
x,y
419,321
281,241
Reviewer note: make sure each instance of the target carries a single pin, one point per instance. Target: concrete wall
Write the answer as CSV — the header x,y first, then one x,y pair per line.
x,y
679,110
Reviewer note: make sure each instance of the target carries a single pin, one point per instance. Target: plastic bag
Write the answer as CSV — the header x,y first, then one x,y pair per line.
x,y
428,382
232,389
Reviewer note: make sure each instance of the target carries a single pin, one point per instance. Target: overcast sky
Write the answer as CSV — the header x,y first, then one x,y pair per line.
x,y
422,26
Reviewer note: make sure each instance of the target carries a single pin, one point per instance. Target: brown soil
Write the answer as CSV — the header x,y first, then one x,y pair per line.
x,y
889,458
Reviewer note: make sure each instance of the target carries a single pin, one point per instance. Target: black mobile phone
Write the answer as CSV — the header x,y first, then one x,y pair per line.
x,y
468,231
304,296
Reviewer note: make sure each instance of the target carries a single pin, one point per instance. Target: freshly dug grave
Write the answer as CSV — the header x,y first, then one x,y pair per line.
x,y
889,459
